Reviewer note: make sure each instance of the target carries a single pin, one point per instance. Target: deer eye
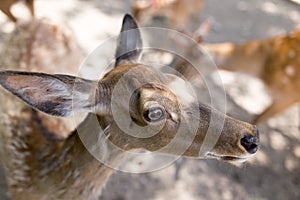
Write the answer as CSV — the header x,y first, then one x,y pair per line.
x,y
154,114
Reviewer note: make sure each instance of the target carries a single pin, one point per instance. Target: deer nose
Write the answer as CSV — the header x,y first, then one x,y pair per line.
x,y
250,143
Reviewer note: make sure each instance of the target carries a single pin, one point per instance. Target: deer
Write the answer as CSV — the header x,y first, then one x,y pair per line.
x,y
39,45
46,165
275,61
5,6
179,12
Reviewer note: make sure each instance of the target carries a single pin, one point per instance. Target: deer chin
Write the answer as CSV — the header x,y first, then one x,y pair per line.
x,y
228,158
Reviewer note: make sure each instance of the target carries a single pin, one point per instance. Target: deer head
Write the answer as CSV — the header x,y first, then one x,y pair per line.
x,y
138,106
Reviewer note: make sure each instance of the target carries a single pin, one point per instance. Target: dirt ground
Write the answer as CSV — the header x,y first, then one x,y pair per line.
x,y
274,173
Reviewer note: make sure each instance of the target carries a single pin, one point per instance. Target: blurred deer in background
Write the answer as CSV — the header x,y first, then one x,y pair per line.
x,y
44,164
44,46
179,12
275,61
5,6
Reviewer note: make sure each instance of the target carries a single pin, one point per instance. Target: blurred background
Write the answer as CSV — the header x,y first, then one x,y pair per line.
x,y
274,173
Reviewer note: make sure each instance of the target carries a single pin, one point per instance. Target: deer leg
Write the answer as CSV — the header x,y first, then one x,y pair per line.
x,y
179,18
6,11
30,5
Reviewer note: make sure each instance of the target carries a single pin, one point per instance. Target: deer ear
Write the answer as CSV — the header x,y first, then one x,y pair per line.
x,y
130,43
57,95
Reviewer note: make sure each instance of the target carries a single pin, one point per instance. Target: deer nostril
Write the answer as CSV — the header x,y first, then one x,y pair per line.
x,y
249,143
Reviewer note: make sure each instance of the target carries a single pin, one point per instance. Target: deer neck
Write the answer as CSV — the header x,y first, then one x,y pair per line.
x,y
43,168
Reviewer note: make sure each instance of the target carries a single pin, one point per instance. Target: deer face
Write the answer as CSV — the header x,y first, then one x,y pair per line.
x,y
138,106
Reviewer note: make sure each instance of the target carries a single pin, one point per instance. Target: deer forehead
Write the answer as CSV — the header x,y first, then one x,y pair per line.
x,y
154,83
141,73
150,91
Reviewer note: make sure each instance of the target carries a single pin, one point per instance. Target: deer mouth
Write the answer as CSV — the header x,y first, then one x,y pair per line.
x,y
227,158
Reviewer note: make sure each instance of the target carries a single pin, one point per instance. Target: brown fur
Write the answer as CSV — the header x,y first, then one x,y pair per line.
x,y
42,167
275,61
28,137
